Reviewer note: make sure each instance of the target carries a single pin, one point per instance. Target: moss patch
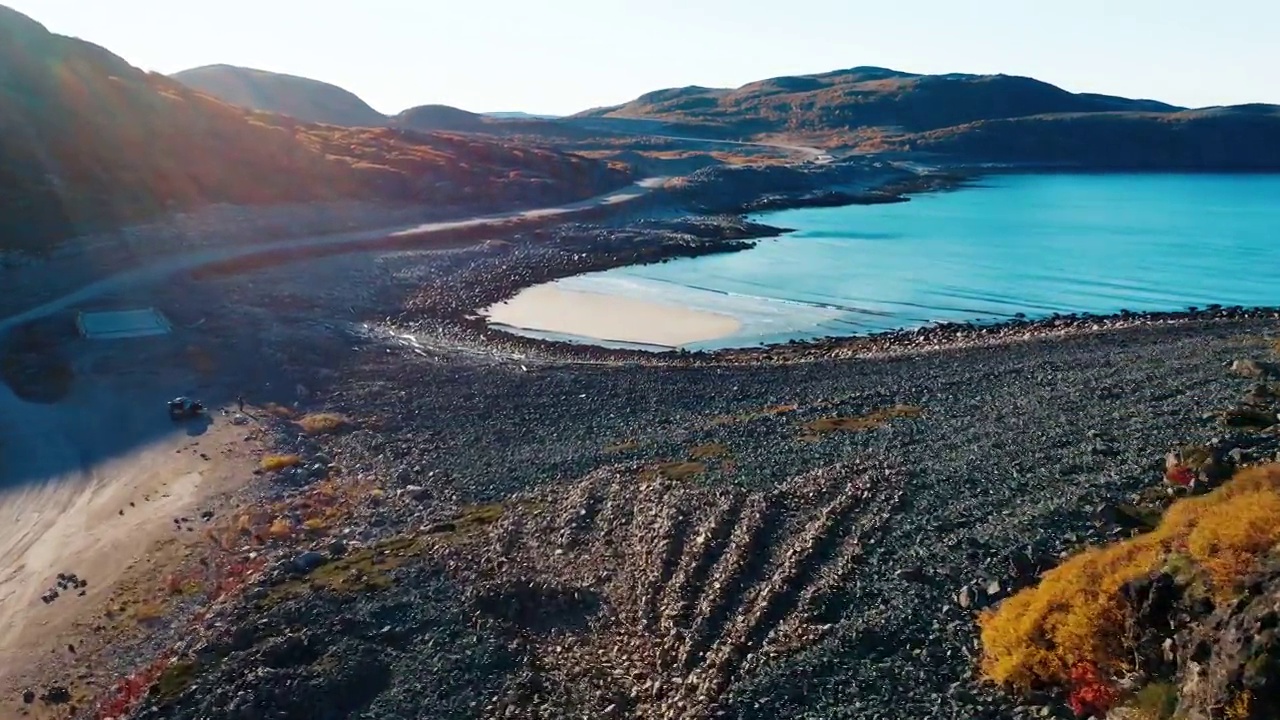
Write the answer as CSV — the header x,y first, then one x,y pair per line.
x,y
679,470
1156,701
857,423
365,570
469,519
174,680
709,450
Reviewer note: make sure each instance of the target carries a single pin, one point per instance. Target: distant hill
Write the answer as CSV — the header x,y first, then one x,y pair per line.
x,y
519,116
88,141
866,97
987,118
439,117
315,101
302,98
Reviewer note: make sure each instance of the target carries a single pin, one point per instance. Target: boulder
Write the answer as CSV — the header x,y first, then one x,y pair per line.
x,y
308,561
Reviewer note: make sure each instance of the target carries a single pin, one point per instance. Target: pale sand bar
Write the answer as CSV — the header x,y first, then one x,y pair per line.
x,y
547,308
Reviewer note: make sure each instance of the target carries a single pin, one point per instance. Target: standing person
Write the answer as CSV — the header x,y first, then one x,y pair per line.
x,y
240,402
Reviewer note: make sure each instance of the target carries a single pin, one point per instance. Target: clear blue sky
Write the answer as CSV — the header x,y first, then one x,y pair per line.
x,y
561,56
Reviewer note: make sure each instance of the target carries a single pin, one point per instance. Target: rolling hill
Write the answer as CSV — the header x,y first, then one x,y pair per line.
x,y
302,98
89,142
440,117
866,97
982,118
320,102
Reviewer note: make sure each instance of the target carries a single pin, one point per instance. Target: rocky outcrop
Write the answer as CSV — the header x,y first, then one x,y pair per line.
x,y
1230,659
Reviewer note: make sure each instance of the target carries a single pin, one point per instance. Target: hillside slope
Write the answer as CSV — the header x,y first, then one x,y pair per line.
x,y
1235,138
302,98
88,142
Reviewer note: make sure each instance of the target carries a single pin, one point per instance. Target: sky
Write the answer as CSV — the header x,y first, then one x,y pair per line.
x,y
563,56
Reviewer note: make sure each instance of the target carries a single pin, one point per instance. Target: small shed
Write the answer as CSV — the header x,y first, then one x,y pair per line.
x,y
116,324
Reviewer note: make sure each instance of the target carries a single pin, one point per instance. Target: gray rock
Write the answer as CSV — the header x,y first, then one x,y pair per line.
x,y
308,561
910,574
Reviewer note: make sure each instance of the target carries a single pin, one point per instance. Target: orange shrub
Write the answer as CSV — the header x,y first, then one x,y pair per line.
x,y
280,528
279,462
1074,616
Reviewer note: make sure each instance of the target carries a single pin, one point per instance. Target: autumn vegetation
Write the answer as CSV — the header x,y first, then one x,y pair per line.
x,y
322,423
1071,623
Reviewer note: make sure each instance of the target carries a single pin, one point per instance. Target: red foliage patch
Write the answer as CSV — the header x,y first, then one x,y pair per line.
x,y
127,693
1091,694
1179,475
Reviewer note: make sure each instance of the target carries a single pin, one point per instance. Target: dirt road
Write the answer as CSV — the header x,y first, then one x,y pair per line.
x,y
190,261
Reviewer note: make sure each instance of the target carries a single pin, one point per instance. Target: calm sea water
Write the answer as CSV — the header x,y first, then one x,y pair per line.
x,y
1035,244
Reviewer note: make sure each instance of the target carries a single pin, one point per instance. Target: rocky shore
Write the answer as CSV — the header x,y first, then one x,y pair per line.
x,y
457,522
741,541
520,530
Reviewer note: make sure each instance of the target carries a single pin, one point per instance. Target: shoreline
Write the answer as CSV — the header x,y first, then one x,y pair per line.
x,y
609,318
443,435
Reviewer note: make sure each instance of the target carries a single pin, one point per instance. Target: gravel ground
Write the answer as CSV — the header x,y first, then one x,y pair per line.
x,y
613,537
844,607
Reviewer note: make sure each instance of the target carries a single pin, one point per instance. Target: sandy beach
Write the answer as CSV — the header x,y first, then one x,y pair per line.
x,y
91,485
547,308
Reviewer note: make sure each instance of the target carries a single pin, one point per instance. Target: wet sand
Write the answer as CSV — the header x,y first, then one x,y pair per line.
x,y
549,309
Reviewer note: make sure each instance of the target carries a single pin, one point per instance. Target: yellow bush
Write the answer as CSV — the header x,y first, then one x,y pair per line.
x,y
322,423
1075,614
279,462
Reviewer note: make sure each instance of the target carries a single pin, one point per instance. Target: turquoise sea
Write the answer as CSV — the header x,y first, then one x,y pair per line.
x,y
1029,244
